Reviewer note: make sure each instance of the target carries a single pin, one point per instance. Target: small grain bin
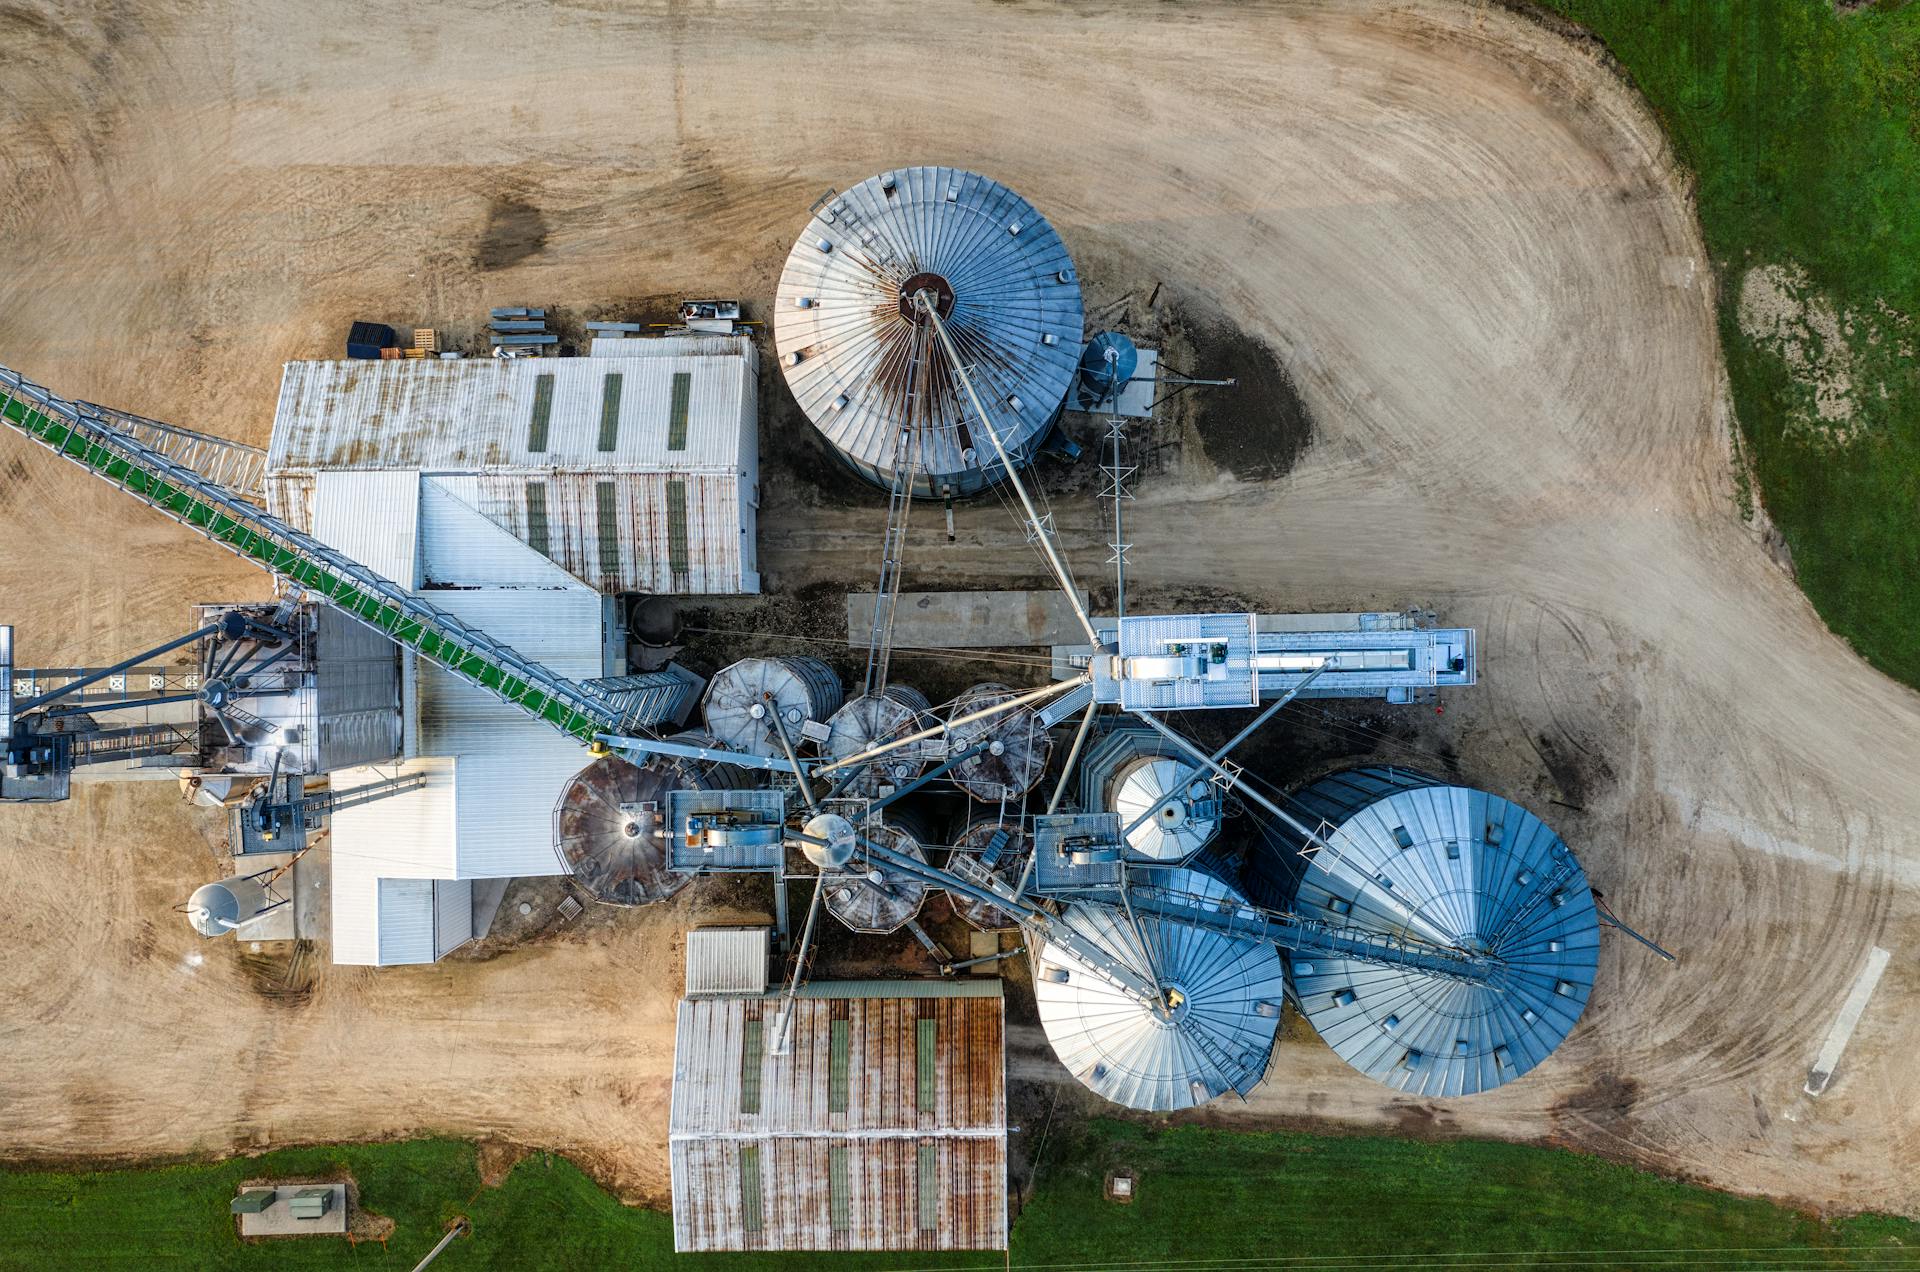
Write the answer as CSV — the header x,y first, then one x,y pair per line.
x,y
1017,748
895,712
743,698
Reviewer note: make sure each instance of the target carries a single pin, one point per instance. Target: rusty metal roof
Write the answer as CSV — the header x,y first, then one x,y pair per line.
x,y
856,353
819,1178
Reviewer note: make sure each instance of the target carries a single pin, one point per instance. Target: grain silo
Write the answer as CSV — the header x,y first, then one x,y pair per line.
x,y
743,699
609,825
1168,809
1014,748
861,359
1211,1028
1416,857
869,720
988,850
217,909
869,897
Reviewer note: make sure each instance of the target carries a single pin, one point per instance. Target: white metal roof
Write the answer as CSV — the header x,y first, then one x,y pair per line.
x,y
477,414
727,960
494,775
644,517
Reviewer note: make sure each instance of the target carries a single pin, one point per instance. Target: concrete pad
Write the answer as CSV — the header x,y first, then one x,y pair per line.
x,y
1843,1026
277,1220
968,620
283,922
979,945
487,896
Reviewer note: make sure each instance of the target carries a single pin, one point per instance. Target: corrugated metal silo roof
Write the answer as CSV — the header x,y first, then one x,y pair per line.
x,y
1007,293
1219,1035
1465,869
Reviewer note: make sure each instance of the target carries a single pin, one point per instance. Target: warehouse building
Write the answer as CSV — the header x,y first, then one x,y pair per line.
x,y
418,874
634,470
880,1126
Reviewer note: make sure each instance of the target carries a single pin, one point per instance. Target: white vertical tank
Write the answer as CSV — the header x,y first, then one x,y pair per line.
x,y
216,909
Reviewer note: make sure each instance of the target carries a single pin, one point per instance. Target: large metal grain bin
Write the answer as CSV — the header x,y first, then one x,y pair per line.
x,y
1416,858
861,359
1212,1028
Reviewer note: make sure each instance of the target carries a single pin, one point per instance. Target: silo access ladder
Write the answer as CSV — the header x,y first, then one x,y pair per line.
x,y
117,455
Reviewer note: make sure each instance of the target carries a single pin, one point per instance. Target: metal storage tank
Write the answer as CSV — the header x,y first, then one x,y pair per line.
x,y
897,711
877,906
736,708
216,909
977,857
609,825
1415,856
1224,999
856,351
1017,751
1128,772
1105,368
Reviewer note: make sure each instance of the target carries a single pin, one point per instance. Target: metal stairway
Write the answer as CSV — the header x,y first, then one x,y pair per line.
x,y
117,455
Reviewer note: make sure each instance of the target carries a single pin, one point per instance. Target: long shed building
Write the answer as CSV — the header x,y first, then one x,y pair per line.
x,y
882,1127
634,470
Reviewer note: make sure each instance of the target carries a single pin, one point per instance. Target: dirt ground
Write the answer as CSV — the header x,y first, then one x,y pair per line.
x,y
1460,234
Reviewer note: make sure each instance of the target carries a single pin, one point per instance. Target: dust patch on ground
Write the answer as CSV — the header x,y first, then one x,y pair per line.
x,y
515,230
496,1160
1834,354
1605,1097
282,972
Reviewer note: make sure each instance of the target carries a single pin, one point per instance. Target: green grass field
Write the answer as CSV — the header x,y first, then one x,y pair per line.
x,y
1802,127
1203,1195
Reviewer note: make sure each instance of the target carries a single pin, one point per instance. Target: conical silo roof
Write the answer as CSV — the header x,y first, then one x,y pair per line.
x,y
871,720
866,904
1460,868
858,356
1176,795
1225,995
609,828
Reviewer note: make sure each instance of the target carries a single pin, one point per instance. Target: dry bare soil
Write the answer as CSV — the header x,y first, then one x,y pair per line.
x,y
1464,240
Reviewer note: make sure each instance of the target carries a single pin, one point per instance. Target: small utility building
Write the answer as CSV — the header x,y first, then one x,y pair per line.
x,y
883,1127
634,470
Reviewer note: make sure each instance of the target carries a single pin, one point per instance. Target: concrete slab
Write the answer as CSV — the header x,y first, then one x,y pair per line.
x,y
968,620
283,922
313,893
980,945
487,896
1843,1026
277,1220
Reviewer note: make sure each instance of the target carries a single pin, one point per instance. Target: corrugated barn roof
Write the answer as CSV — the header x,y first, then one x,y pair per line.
x,y
632,474
882,1128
